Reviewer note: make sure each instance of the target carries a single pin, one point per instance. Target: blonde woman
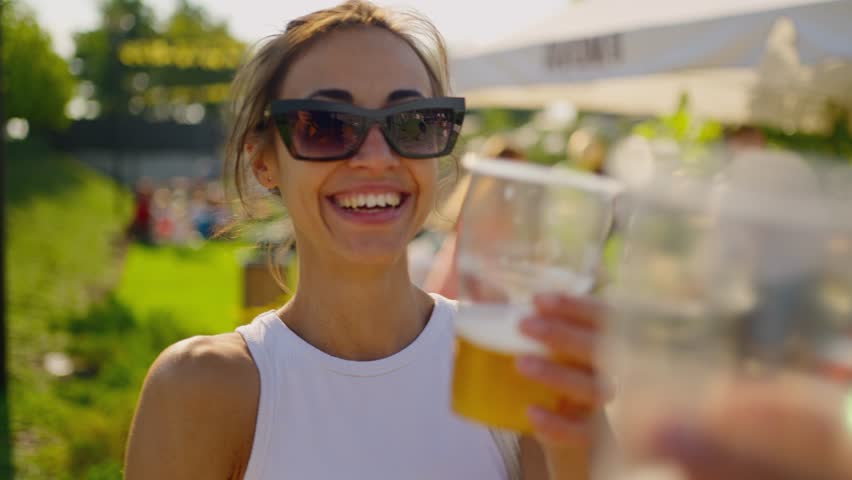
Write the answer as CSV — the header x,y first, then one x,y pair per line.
x,y
344,115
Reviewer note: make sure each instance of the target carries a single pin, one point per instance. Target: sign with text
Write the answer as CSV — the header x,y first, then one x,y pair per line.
x,y
593,51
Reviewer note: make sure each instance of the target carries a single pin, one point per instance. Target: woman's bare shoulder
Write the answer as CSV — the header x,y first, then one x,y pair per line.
x,y
197,409
202,365
207,361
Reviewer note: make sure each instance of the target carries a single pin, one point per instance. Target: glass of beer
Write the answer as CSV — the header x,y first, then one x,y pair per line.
x,y
524,230
743,274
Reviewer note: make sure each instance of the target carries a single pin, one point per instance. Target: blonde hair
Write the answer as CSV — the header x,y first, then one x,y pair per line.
x,y
257,81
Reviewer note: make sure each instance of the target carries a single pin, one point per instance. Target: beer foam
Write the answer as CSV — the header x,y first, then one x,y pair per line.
x,y
519,280
496,327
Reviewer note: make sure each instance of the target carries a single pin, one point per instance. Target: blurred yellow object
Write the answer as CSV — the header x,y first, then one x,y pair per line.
x,y
586,151
159,53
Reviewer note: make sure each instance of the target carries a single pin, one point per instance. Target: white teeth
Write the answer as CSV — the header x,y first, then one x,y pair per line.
x,y
369,200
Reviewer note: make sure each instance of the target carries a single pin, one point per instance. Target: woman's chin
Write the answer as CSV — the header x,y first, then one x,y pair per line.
x,y
373,254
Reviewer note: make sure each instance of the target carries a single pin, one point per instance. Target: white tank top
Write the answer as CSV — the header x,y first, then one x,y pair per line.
x,y
322,417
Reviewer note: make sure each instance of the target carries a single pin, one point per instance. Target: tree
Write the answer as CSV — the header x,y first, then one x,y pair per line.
x,y
121,20
37,81
204,57
136,63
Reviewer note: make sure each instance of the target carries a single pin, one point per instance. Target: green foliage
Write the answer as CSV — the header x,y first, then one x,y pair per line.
x,y
61,254
837,146
682,127
64,262
694,135
191,23
501,120
37,83
188,28
121,20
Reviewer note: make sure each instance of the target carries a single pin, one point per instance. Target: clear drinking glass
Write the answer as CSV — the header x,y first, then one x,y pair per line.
x,y
746,273
524,230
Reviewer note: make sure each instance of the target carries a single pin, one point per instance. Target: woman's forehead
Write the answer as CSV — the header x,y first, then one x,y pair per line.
x,y
368,62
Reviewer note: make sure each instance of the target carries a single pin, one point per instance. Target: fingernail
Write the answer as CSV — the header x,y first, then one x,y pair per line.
x,y
528,365
535,325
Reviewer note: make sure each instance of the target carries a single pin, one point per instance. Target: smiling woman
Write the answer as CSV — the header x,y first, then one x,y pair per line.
x,y
344,115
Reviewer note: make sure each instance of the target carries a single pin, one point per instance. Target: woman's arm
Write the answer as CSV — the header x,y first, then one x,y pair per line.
x,y
197,412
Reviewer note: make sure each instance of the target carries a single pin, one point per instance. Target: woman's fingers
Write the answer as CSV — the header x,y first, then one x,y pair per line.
x,y
577,386
581,311
571,342
554,429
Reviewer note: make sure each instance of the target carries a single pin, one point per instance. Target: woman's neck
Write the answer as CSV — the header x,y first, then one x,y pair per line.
x,y
357,315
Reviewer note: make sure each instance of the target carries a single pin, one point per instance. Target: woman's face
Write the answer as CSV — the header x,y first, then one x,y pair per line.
x,y
370,68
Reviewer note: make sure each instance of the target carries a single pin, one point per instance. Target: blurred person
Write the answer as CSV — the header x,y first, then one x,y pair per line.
x,y
140,227
443,276
351,378
218,206
183,231
162,217
201,212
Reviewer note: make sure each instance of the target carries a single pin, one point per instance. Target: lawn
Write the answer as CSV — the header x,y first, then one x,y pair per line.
x,y
199,288
76,288
64,223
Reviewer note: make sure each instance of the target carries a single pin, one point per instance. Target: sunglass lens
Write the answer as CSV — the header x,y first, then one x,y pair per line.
x,y
319,134
421,132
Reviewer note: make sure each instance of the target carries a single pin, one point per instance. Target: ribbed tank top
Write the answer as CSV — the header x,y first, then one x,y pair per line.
x,y
322,417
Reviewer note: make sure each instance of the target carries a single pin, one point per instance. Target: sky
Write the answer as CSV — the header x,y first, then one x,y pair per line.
x,y
464,23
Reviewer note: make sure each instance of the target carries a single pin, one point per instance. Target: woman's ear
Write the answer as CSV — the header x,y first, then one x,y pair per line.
x,y
263,164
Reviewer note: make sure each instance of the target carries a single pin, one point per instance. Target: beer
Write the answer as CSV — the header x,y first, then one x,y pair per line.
x,y
486,386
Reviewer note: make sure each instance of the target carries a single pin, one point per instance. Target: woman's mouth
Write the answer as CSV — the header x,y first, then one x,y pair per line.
x,y
370,207
368,201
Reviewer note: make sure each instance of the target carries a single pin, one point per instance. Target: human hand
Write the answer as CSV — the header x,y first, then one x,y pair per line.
x,y
569,328
768,430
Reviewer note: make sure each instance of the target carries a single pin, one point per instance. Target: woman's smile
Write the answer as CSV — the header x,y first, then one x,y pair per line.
x,y
371,205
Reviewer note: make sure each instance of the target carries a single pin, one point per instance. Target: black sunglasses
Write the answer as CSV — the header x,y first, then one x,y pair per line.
x,y
321,130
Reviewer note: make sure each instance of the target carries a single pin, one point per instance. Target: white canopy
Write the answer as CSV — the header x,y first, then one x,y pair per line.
x,y
779,62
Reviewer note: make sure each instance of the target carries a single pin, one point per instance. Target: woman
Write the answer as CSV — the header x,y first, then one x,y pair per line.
x,y
350,379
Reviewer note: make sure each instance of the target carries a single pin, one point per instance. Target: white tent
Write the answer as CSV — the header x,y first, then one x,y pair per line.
x,y
779,62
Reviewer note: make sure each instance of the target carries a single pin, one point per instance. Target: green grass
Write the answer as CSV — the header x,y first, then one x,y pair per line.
x,y
200,289
63,221
75,288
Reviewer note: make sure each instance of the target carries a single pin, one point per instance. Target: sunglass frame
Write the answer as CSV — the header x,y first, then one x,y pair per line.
x,y
278,109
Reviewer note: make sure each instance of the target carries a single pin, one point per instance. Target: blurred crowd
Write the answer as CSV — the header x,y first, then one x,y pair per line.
x,y
177,211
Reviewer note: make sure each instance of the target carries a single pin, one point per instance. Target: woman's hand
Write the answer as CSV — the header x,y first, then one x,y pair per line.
x,y
769,430
569,327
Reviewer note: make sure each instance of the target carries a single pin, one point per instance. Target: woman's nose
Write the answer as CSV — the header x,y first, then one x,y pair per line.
x,y
375,152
